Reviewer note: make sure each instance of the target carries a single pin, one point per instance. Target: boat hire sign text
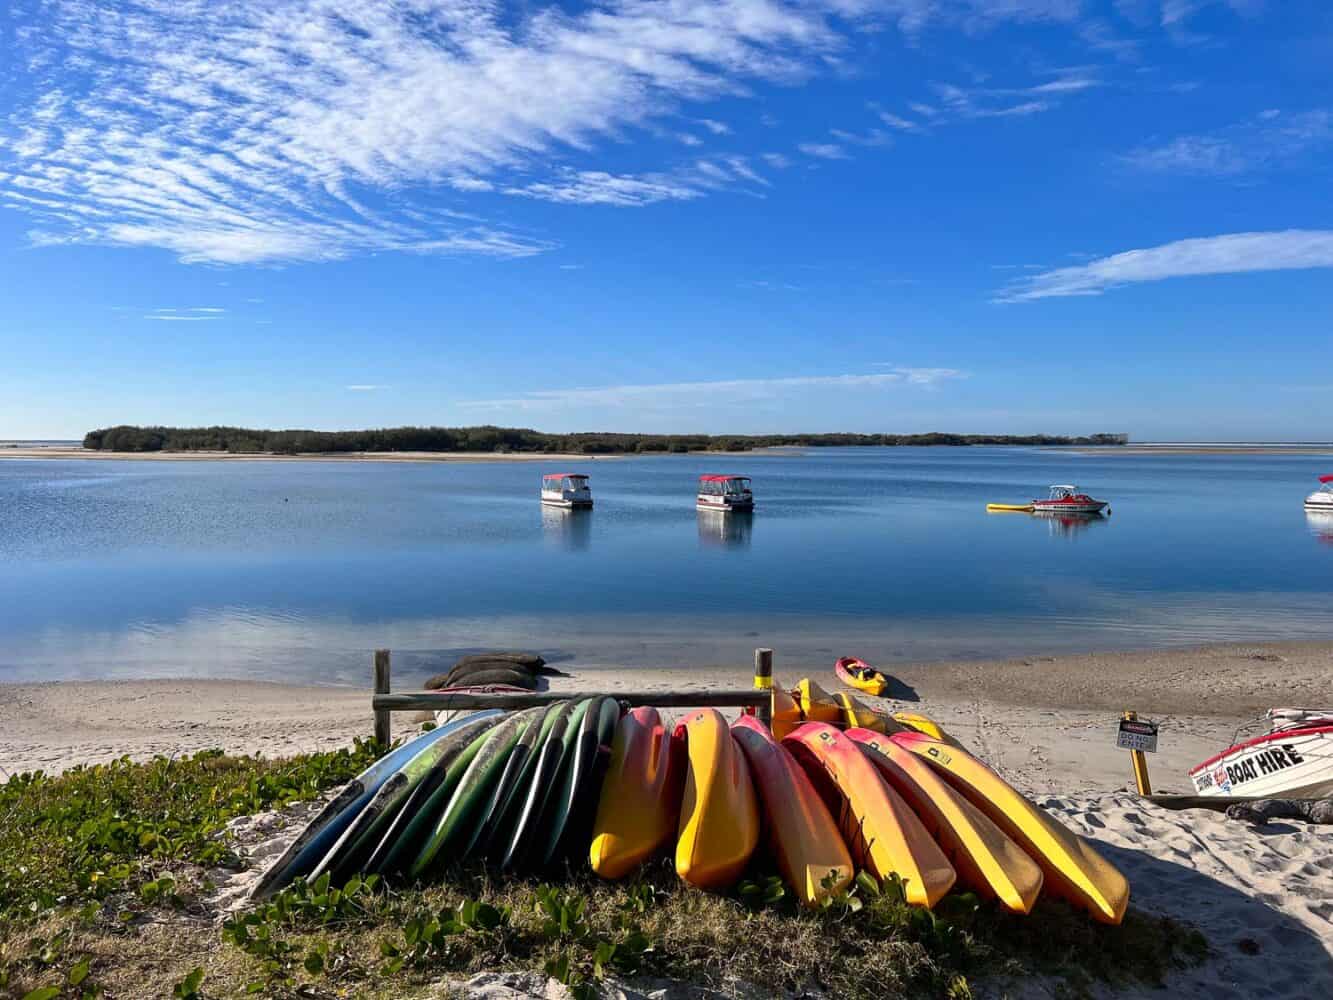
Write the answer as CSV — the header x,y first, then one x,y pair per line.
x,y
1135,735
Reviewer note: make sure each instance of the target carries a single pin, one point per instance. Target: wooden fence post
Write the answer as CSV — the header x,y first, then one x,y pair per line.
x,y
383,717
763,681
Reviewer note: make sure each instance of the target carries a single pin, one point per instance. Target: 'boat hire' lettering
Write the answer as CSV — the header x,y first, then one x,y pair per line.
x,y
1264,762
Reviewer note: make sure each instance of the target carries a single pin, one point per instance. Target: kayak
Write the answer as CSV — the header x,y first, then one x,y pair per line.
x,y
786,713
912,722
325,829
1073,870
860,675
884,835
987,860
816,704
1024,508
639,806
856,713
802,835
719,813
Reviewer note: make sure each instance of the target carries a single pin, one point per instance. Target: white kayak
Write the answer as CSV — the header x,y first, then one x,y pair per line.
x,y
1293,760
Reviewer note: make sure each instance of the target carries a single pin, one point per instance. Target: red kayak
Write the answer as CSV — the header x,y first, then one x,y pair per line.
x,y
860,675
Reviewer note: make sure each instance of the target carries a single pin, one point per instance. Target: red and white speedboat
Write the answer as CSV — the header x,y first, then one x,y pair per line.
x,y
1293,760
724,493
1067,499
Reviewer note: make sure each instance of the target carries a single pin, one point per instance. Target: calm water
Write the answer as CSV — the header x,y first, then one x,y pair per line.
x,y
290,570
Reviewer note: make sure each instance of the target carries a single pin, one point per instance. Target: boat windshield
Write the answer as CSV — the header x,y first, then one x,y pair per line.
x,y
1063,492
735,486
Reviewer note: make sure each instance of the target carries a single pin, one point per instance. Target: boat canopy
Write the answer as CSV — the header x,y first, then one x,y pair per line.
x,y
724,479
1326,479
564,475
1065,486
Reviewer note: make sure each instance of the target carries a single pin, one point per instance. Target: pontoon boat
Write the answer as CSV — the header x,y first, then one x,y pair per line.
x,y
1322,498
724,493
566,489
1067,499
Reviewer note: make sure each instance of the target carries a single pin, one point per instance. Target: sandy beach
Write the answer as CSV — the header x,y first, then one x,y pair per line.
x,y
1262,896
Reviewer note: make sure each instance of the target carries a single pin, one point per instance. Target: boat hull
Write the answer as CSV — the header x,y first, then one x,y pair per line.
x,y
1058,507
1290,764
566,503
701,503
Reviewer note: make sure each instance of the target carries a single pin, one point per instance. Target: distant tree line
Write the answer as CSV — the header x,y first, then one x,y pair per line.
x,y
244,441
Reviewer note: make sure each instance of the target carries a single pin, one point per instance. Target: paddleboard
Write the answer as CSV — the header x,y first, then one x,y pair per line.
x,y
325,829
454,826
639,806
496,829
541,786
350,852
594,757
802,835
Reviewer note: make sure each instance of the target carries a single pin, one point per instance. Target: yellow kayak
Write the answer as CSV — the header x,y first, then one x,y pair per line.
x,y
786,713
987,860
1073,870
881,830
1025,508
911,721
860,675
802,836
719,813
639,807
857,713
816,704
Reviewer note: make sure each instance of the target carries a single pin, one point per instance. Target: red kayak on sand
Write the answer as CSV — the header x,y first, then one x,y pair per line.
x,y
860,675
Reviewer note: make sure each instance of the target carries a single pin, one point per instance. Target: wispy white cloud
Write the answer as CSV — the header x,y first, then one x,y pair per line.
x,y
301,129
823,150
776,160
1268,140
1234,253
596,187
365,387
729,391
716,127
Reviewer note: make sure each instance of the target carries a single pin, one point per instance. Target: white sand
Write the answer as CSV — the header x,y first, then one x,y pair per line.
x,y
1263,897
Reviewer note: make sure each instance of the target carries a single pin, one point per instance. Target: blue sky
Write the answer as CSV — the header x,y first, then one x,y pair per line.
x,y
731,216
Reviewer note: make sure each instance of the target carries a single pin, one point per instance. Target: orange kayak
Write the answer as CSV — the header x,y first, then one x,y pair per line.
x,y
802,835
860,675
719,812
1073,870
883,833
786,713
639,805
986,859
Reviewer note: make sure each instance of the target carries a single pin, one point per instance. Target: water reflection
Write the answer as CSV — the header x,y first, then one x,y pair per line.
x,y
569,528
1321,524
730,530
1065,525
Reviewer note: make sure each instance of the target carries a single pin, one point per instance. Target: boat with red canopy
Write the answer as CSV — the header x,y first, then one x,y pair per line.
x,y
725,493
1068,499
1322,498
1293,760
566,489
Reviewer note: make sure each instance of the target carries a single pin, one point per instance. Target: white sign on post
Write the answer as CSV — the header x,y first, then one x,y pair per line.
x,y
1135,735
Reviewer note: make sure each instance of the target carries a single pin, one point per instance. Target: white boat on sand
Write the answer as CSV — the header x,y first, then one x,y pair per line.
x,y
1293,760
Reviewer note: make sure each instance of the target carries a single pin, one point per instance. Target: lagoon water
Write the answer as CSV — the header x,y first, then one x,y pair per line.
x,y
297,570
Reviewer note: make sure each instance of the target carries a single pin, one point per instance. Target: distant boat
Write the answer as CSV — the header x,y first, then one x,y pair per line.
x,y
1068,499
1293,760
566,489
1322,498
725,493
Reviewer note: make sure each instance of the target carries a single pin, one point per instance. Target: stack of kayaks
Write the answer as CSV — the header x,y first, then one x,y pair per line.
x,y
838,789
